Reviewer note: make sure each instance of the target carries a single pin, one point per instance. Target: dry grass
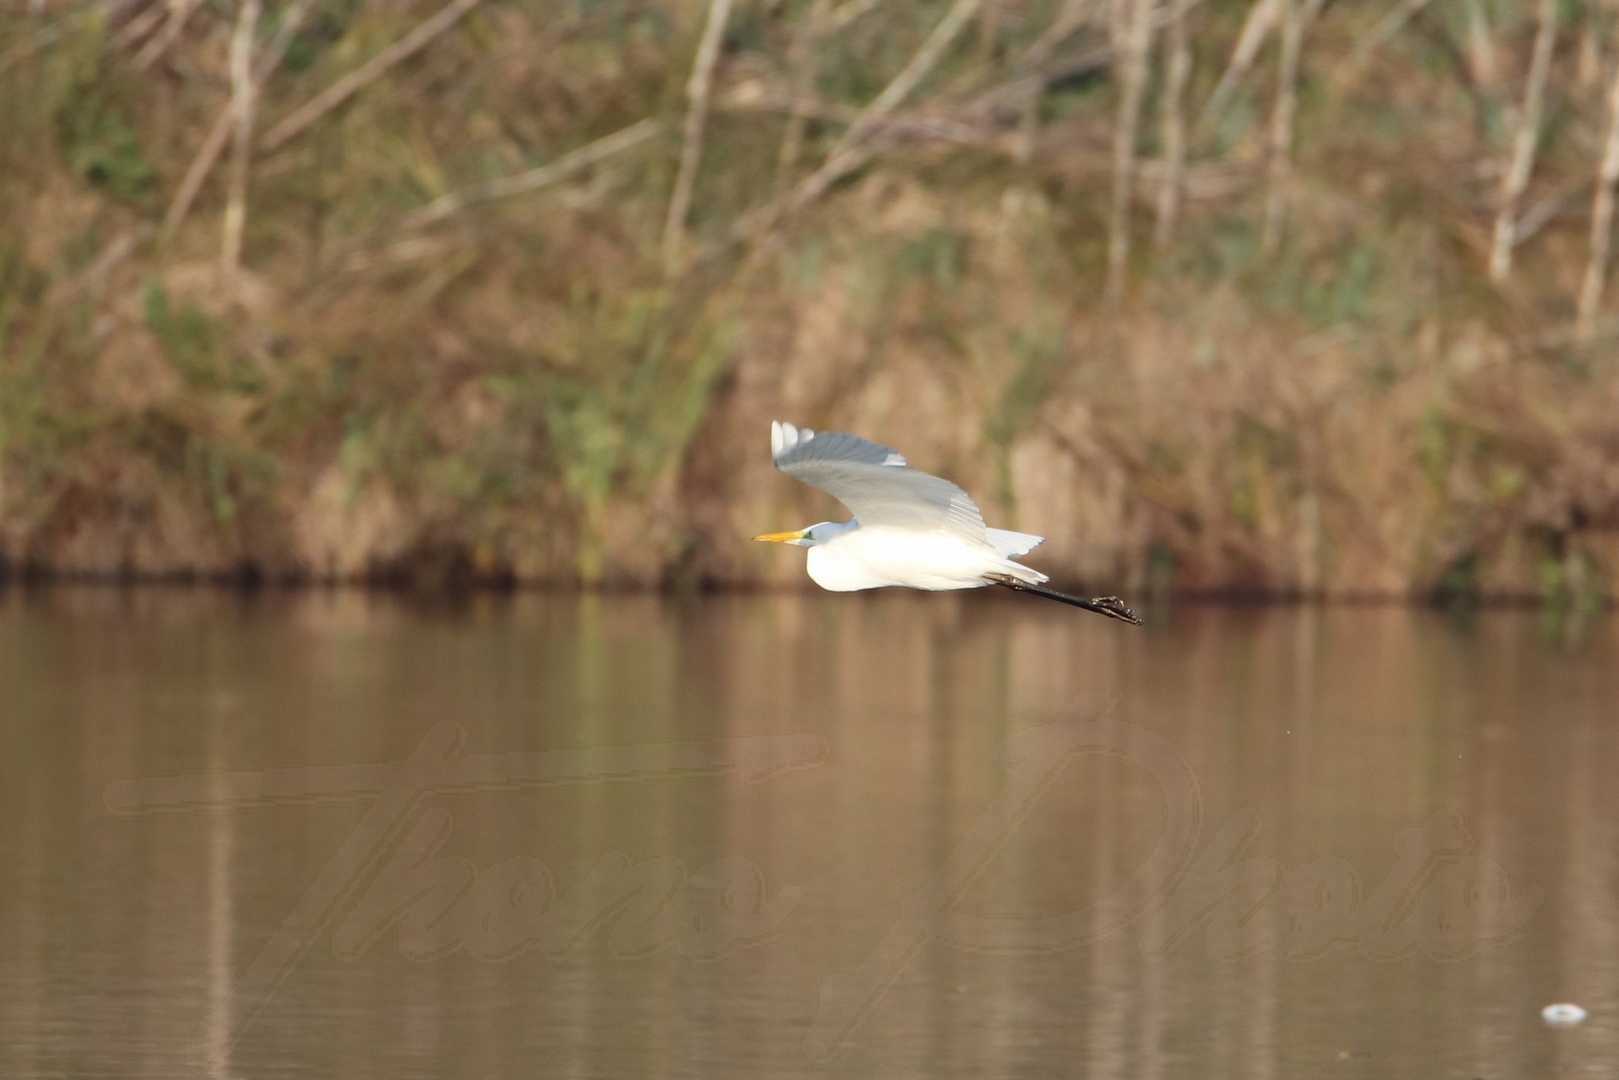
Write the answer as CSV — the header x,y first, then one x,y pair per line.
x,y
451,347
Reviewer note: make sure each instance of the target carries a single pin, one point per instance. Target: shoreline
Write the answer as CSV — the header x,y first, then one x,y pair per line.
x,y
247,583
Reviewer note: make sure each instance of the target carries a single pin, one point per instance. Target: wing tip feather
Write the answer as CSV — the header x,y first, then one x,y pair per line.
x,y
785,437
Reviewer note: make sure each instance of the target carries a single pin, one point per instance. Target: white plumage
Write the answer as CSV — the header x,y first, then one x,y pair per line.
x,y
910,529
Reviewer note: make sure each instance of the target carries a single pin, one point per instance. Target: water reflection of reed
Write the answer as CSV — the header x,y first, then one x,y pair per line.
x,y
1317,739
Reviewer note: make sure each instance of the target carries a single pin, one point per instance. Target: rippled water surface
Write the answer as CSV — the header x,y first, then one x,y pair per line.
x,y
800,835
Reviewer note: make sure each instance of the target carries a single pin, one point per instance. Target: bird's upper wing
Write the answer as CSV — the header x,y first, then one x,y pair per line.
x,y
875,482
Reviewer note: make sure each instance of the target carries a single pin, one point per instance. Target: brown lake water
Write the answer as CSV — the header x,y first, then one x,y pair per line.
x,y
347,835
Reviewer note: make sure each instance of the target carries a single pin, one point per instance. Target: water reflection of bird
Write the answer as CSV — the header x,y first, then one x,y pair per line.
x,y
909,529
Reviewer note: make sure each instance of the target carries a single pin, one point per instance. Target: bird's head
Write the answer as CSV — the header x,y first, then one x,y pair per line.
x,y
819,533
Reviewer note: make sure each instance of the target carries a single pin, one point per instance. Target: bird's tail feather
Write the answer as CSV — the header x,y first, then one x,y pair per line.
x,y
1008,543
1018,572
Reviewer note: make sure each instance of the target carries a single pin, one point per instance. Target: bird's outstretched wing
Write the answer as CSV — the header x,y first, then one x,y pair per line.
x,y
875,482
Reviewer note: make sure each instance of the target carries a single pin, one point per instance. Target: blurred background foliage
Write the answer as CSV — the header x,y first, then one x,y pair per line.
x,y
1269,296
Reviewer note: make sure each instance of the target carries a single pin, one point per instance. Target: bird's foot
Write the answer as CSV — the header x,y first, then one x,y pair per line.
x,y
1112,605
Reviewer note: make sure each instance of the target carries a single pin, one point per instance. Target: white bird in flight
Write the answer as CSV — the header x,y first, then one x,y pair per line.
x,y
909,529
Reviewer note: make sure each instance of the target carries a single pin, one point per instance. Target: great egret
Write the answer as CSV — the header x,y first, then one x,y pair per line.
x,y
910,529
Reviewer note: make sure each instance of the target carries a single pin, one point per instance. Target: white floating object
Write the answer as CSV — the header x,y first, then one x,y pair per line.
x,y
1563,1014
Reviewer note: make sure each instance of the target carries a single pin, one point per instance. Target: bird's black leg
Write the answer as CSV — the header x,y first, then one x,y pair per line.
x,y
1111,606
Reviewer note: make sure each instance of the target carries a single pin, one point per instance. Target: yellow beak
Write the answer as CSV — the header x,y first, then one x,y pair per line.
x,y
781,537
